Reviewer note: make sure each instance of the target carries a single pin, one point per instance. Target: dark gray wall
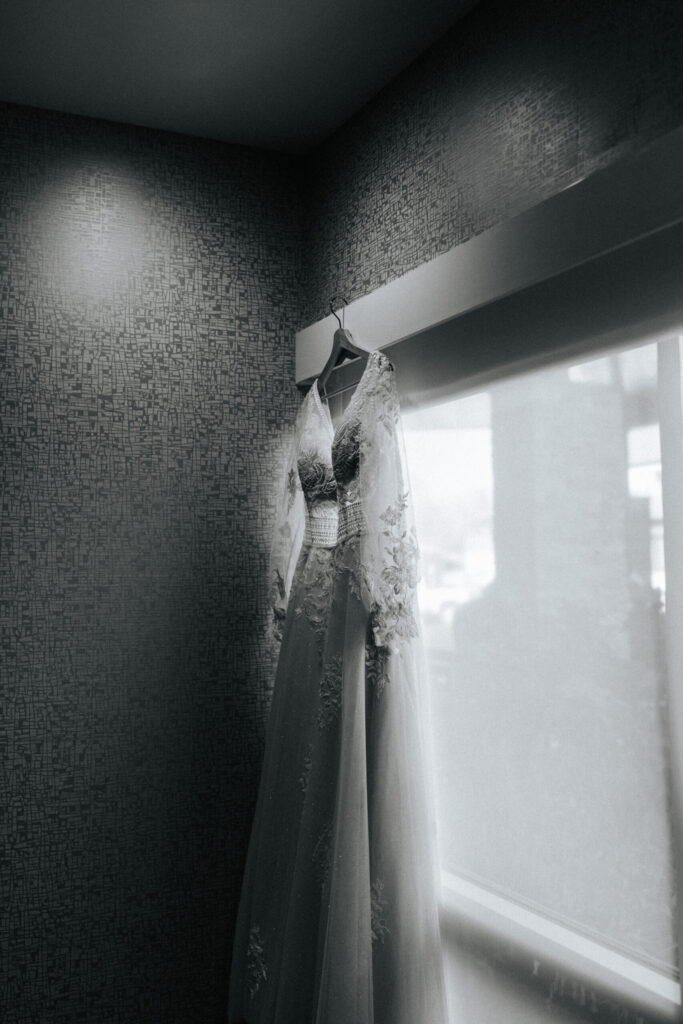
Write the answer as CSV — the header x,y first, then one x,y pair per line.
x,y
517,101
149,293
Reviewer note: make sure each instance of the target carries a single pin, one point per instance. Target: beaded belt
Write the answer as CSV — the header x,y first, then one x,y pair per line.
x,y
351,519
321,526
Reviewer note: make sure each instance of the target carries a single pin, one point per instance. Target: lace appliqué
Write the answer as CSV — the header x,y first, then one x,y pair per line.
x,y
378,906
381,389
330,692
317,587
394,614
376,667
306,771
279,611
317,479
256,967
292,484
346,558
345,450
322,855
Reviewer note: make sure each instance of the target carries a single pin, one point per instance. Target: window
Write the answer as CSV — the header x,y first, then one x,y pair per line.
x,y
539,510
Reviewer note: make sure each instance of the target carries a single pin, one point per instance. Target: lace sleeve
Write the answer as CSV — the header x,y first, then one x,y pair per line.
x,y
389,553
289,528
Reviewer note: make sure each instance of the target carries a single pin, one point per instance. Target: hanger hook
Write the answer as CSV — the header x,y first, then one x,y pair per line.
x,y
332,308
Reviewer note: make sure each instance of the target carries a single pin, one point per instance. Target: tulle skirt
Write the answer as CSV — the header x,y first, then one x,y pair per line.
x,y
338,917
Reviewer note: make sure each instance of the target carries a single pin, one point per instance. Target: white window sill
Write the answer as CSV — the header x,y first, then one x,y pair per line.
x,y
536,940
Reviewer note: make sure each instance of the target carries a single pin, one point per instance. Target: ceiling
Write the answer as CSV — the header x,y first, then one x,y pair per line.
x,y
281,74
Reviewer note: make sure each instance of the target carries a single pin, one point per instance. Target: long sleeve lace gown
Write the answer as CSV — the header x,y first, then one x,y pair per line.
x,y
338,915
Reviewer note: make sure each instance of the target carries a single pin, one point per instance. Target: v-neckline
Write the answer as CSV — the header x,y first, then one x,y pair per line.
x,y
324,410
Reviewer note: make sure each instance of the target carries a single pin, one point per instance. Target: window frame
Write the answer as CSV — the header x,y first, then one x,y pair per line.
x,y
535,944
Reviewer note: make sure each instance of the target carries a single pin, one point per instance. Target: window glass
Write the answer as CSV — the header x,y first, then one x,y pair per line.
x,y
539,511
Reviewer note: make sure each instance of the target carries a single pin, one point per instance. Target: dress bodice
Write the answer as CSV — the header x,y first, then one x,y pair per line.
x,y
318,484
345,490
346,465
329,462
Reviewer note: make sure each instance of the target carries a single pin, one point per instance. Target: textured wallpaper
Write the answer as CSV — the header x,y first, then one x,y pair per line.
x,y
150,286
515,102
149,289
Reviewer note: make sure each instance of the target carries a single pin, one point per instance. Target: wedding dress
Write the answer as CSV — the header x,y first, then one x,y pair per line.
x,y
338,916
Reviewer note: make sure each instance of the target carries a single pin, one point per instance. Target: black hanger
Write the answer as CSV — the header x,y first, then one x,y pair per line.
x,y
343,347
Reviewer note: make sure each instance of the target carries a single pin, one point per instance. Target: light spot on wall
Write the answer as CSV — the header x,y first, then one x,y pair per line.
x,y
94,225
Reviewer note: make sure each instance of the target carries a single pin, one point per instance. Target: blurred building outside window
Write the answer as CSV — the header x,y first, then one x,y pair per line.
x,y
543,597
